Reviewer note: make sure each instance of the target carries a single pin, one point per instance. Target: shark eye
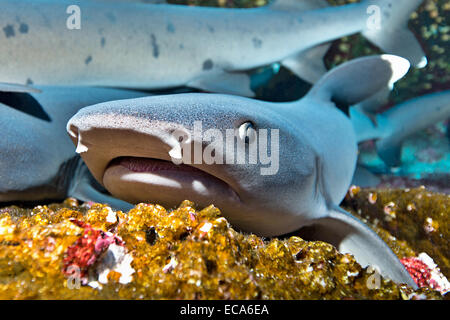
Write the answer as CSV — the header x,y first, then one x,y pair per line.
x,y
247,132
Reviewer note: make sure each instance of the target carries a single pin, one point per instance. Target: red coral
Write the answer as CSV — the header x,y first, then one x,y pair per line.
x,y
87,249
420,272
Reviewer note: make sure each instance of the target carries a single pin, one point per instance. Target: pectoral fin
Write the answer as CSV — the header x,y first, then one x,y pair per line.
x,y
350,235
15,87
84,187
237,83
308,65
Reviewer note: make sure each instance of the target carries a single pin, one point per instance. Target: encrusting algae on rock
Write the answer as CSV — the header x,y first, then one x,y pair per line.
x,y
88,251
414,223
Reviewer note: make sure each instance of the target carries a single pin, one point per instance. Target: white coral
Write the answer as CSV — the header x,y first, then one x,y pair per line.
x,y
115,259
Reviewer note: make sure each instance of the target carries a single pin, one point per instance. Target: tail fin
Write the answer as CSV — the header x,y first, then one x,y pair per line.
x,y
359,79
350,235
387,28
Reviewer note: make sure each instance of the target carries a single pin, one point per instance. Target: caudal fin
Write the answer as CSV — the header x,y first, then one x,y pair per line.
x,y
387,28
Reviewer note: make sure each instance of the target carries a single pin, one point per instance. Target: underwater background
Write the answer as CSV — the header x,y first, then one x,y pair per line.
x,y
409,210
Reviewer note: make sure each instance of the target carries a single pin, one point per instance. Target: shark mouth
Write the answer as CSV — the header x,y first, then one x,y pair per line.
x,y
137,164
138,179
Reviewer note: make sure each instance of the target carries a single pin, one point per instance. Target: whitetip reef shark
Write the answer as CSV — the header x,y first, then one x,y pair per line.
x,y
37,160
398,123
128,147
157,46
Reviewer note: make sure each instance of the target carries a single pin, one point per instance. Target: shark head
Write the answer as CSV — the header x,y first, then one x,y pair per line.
x,y
242,155
165,149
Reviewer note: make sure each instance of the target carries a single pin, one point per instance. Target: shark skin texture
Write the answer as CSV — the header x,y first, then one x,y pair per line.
x,y
168,46
130,149
37,158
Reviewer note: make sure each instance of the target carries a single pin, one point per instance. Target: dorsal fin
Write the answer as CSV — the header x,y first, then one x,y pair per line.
x,y
359,79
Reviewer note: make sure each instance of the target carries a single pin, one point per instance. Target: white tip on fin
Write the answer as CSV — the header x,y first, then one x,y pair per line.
x,y
399,42
399,67
15,87
392,34
423,63
358,79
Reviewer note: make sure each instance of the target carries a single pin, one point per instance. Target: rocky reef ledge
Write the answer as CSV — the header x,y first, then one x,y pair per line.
x,y
88,251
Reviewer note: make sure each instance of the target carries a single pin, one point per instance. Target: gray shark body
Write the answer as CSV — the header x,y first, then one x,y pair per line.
x,y
137,45
37,160
129,147
394,126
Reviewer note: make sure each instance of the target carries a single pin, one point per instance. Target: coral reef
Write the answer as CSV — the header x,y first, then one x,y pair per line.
x,y
426,273
410,221
60,251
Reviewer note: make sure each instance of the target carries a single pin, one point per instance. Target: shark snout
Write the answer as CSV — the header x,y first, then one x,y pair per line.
x,y
135,159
